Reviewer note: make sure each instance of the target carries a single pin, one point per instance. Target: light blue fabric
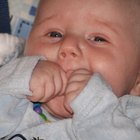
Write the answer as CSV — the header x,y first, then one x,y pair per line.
x,y
98,113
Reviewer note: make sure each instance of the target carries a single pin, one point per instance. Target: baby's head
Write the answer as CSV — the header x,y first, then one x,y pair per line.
x,y
101,36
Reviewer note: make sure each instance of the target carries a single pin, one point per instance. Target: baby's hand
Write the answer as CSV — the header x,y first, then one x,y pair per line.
x,y
47,81
60,105
76,83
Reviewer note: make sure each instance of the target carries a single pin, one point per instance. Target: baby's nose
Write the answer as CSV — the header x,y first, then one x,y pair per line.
x,y
69,49
68,53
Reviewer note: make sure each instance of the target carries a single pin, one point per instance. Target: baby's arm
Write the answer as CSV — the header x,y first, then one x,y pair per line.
x,y
14,86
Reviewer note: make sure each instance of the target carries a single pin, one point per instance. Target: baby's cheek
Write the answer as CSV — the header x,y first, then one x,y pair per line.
x,y
56,107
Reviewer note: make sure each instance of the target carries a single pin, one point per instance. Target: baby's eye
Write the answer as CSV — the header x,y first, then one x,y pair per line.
x,y
55,34
97,39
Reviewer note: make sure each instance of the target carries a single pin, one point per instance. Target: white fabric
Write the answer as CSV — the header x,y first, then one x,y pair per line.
x,y
10,47
98,113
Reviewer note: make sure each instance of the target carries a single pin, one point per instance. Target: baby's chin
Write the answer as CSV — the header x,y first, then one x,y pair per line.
x,y
56,108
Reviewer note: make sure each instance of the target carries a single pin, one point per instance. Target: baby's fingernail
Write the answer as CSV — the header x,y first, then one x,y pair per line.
x,y
69,109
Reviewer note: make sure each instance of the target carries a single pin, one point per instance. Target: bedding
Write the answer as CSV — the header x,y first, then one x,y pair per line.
x,y
22,15
11,47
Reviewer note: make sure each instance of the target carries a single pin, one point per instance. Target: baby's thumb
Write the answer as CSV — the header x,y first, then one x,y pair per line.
x,y
69,98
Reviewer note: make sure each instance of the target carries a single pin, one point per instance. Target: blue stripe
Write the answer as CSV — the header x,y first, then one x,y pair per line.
x,y
4,17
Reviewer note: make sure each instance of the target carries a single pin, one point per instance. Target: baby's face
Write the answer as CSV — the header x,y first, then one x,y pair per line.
x,y
97,35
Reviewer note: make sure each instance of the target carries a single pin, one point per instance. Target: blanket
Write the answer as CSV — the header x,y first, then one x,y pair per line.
x,y
10,47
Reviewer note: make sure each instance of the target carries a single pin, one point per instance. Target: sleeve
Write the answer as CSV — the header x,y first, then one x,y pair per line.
x,y
98,114
14,86
103,115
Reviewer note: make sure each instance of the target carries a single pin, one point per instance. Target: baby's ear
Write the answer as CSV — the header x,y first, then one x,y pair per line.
x,y
136,89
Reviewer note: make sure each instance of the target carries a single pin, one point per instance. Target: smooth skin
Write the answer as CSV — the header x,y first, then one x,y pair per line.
x,y
80,38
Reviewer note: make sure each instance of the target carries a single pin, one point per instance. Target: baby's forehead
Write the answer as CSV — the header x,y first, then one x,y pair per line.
x,y
118,9
66,4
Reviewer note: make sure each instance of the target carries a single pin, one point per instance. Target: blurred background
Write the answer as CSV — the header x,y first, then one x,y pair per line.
x,y
22,13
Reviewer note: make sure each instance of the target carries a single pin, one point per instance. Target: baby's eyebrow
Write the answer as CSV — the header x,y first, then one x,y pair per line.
x,y
114,27
47,18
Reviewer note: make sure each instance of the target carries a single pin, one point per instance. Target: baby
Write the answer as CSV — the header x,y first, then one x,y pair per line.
x,y
91,59
95,39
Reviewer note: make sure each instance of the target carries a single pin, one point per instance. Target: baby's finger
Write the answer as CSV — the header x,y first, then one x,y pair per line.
x,y
64,82
69,97
58,83
56,107
36,94
79,75
49,90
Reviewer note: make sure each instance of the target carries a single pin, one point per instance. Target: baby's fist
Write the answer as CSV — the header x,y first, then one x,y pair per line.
x,y
47,80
